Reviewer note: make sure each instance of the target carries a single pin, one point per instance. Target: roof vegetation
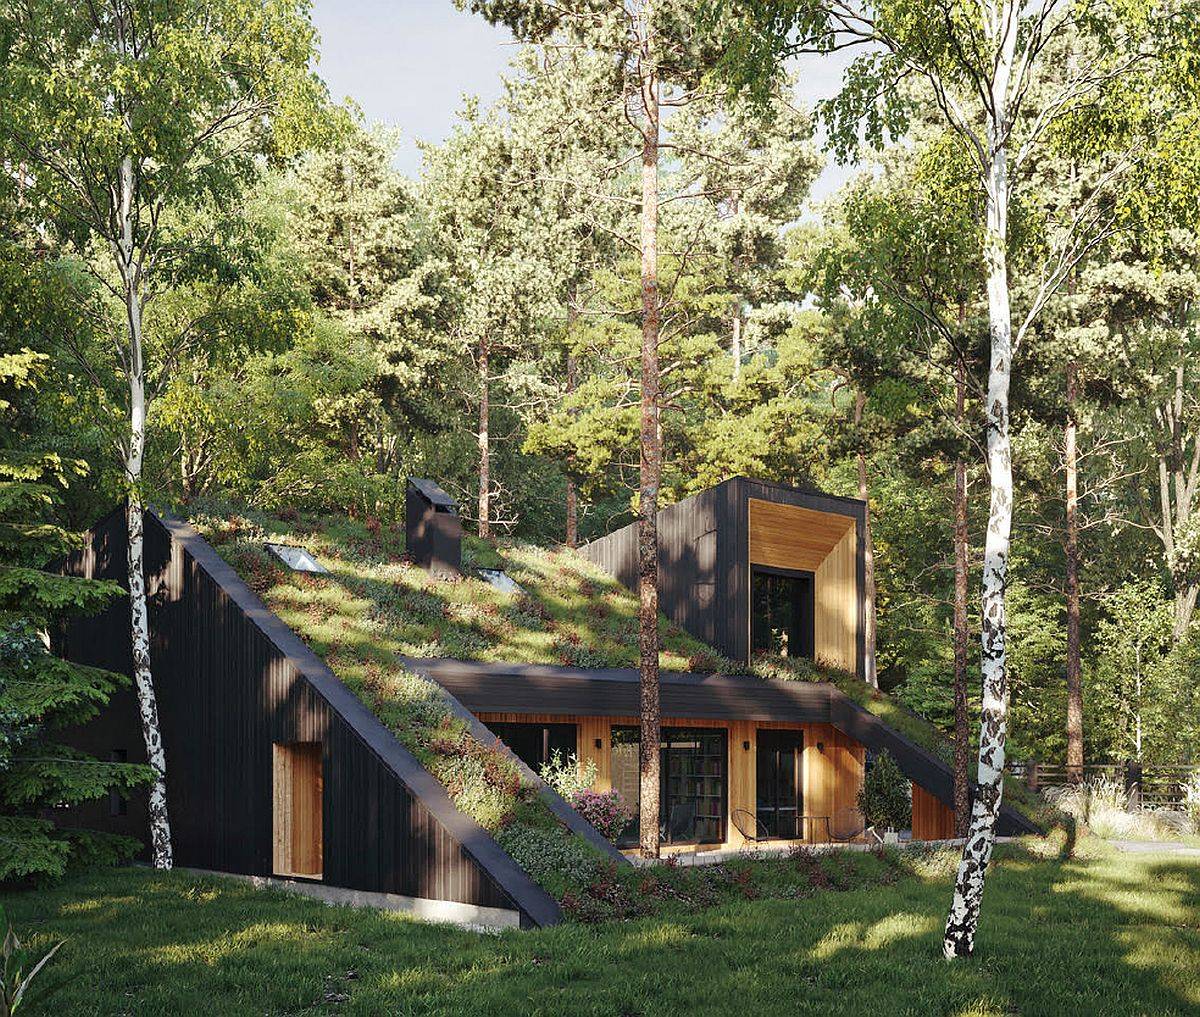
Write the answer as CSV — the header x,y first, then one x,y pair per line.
x,y
374,606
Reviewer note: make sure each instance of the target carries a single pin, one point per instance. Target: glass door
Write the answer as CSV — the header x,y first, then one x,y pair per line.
x,y
780,785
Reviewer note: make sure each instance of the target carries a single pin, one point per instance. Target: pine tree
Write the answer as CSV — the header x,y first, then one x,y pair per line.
x,y
40,692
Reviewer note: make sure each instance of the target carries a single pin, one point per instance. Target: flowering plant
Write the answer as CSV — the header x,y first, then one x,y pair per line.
x,y
605,810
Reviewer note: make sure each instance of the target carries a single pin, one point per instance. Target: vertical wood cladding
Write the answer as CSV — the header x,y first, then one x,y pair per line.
x,y
227,695
832,767
705,555
931,819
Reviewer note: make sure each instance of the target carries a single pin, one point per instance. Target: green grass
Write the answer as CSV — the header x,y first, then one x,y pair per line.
x,y
1102,934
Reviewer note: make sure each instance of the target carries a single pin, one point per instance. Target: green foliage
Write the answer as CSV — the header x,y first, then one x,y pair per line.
x,y
884,798
19,971
567,775
40,693
1123,943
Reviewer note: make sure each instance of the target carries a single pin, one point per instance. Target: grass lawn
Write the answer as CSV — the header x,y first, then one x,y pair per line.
x,y
1104,933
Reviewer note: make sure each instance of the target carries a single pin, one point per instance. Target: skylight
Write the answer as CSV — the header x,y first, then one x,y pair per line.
x,y
502,581
296,558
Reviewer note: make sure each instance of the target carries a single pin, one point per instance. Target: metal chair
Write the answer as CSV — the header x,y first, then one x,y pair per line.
x,y
749,825
848,824
681,823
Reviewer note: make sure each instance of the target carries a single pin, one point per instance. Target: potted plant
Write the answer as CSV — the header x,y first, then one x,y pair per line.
x,y
884,798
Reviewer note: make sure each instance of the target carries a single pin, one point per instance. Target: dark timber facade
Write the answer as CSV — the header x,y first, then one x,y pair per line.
x,y
725,550
272,762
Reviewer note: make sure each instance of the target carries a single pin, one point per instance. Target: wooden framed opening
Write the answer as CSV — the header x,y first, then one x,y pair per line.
x,y
298,787
797,540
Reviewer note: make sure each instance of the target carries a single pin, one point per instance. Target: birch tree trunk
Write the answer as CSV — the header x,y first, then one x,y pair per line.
x,y
869,672
139,622
963,920
651,453
1074,672
485,480
962,720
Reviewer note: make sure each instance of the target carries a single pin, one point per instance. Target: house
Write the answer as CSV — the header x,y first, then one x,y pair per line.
x,y
278,770
751,567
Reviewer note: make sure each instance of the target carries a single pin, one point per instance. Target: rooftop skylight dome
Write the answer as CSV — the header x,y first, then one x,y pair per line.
x,y
298,559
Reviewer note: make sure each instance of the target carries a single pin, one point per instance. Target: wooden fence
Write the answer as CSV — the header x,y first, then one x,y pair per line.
x,y
1147,787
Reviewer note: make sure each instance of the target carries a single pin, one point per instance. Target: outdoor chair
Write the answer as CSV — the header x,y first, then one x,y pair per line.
x,y
749,825
848,824
682,822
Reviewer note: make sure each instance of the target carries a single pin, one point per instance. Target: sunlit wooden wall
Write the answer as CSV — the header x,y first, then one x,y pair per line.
x,y
792,537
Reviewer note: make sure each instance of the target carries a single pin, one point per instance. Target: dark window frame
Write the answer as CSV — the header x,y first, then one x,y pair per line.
x,y
548,728
629,734
808,633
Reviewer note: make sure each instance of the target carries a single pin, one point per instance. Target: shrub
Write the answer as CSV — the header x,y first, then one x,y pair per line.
x,y
1102,804
565,774
605,810
883,798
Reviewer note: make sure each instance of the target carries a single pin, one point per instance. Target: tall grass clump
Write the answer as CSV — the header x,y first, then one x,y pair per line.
x,y
1105,808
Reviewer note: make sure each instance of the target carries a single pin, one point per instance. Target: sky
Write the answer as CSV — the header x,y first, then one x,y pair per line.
x,y
408,63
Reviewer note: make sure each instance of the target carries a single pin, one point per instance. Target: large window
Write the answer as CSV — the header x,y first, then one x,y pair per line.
x,y
534,744
693,782
781,612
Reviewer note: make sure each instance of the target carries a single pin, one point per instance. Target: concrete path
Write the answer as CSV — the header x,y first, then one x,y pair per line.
x,y
1169,847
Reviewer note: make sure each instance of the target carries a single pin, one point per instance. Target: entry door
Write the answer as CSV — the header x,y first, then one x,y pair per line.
x,y
780,783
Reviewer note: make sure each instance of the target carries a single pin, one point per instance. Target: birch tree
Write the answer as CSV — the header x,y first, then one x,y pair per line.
x,y
126,116
979,64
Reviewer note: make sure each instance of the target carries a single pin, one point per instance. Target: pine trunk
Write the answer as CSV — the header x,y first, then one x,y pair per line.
x,y
139,621
485,480
650,459
1074,679
963,919
735,343
572,495
962,720
869,671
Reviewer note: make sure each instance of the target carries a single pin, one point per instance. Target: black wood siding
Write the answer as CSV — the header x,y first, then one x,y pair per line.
x,y
704,580
227,691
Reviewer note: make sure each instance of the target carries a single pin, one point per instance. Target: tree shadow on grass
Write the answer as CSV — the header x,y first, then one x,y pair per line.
x,y
1105,934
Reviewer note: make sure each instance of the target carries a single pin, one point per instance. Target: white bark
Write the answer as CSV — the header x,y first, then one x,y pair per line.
x,y
963,920
139,623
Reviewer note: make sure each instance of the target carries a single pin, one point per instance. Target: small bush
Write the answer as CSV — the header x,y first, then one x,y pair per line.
x,y
565,774
883,798
553,857
605,810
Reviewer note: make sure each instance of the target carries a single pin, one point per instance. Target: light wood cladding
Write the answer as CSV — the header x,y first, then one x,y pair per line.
x,y
835,614
832,761
931,820
791,537
298,786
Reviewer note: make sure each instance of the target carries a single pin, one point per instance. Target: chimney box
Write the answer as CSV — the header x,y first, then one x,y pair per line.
x,y
432,529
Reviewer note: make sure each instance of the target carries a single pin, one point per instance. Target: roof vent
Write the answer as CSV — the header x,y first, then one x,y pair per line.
x,y
432,529
296,558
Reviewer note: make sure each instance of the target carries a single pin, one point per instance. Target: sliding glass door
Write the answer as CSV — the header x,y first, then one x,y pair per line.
x,y
780,783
